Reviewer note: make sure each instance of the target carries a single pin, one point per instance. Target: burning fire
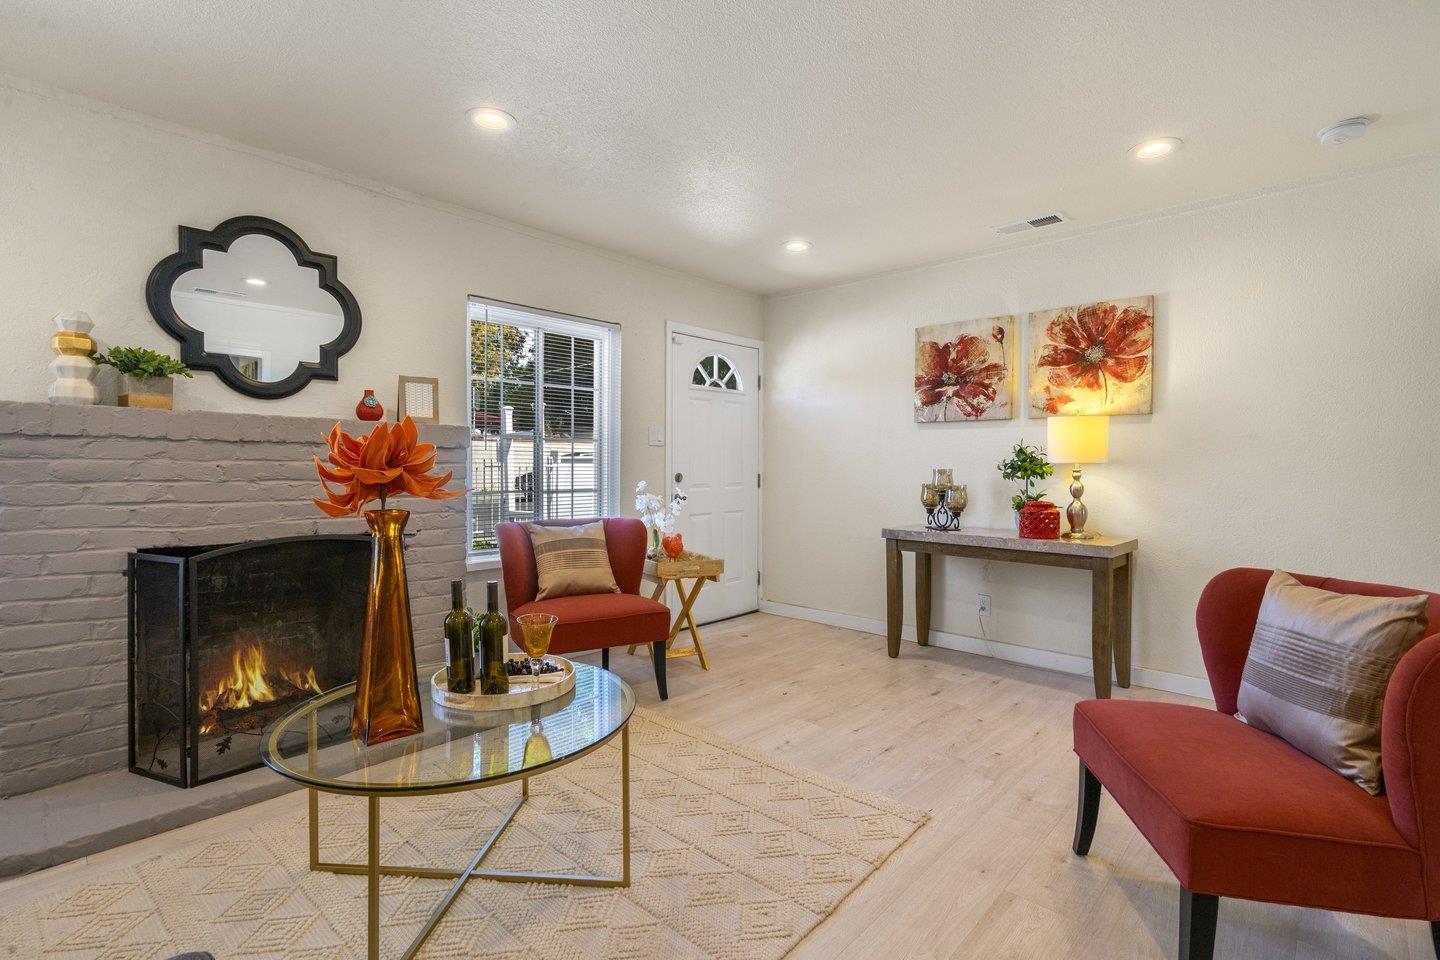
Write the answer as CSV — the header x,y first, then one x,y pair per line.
x,y
252,681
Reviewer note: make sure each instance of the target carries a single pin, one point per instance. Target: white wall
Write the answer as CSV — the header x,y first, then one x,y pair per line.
x,y
91,197
1297,412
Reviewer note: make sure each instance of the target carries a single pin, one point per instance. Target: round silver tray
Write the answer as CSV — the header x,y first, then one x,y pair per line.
x,y
524,691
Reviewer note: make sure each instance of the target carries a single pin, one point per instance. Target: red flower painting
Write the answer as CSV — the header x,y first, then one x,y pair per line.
x,y
1055,400
962,375
1094,358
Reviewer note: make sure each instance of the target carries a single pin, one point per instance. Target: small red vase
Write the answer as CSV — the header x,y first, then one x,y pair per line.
x,y
673,545
369,407
1040,520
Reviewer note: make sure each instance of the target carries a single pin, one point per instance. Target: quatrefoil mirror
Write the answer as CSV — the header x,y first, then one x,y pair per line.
x,y
252,302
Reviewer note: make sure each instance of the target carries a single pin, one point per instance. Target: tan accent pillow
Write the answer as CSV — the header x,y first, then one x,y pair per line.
x,y
571,560
1318,667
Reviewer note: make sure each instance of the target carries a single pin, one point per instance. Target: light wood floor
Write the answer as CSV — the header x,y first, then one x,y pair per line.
x,y
985,747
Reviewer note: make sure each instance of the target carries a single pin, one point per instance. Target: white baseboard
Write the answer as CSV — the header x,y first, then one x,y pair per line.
x,y
1014,653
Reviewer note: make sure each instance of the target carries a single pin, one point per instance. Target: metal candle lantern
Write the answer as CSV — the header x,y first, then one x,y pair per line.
x,y
943,502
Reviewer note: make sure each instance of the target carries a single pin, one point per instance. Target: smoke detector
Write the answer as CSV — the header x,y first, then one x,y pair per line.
x,y
1034,223
1338,134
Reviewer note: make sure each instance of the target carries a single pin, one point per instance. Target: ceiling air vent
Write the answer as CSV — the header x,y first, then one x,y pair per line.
x,y
220,293
1019,226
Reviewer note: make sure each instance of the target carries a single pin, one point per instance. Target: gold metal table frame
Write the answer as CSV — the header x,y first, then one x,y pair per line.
x,y
373,869
697,568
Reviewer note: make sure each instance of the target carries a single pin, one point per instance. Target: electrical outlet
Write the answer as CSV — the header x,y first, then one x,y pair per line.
x,y
982,604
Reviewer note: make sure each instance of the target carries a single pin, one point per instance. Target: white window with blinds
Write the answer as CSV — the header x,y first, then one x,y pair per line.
x,y
545,415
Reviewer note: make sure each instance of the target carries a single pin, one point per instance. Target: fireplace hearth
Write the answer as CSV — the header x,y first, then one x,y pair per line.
x,y
225,638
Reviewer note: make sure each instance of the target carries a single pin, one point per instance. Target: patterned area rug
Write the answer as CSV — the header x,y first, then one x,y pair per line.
x,y
735,855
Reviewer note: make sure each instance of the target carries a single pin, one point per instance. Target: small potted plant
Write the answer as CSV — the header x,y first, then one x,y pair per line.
x,y
1027,465
659,518
144,376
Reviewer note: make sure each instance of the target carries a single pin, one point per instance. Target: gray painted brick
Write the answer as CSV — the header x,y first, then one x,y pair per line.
x,y
77,653
34,636
46,588
85,561
83,486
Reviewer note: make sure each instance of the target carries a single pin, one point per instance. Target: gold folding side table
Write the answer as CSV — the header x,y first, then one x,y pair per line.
x,y
457,751
697,568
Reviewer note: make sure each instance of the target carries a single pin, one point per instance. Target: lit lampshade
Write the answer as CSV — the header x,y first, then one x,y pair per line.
x,y
1077,439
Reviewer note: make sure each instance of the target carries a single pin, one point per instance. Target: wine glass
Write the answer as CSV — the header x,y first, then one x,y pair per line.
x,y
535,632
537,746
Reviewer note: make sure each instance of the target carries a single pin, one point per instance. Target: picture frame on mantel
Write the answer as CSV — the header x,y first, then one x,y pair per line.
x,y
419,399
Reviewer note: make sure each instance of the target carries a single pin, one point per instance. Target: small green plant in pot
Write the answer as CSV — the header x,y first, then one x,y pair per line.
x,y
144,375
1027,465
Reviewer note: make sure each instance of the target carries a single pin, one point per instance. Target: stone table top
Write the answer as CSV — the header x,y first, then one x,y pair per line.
x,y
1102,546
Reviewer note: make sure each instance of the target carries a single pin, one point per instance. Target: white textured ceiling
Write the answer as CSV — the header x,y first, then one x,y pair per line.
x,y
700,135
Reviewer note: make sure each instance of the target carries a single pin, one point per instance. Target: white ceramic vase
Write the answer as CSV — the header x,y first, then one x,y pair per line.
x,y
72,367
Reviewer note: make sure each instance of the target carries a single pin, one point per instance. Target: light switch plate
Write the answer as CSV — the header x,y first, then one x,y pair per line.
x,y
657,437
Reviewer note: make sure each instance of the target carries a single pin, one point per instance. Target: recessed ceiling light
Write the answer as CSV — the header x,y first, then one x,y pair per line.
x,y
490,118
797,246
1155,149
256,281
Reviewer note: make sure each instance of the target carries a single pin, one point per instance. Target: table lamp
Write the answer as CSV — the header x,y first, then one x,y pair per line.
x,y
1077,440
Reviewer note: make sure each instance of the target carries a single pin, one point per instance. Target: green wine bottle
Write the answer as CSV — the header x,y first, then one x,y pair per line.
x,y
459,647
493,678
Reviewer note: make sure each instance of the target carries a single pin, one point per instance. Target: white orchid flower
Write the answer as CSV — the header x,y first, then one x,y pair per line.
x,y
657,514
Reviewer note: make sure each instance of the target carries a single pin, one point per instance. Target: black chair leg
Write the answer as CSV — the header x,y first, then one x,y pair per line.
x,y
1198,913
659,647
1087,811
605,657
1435,936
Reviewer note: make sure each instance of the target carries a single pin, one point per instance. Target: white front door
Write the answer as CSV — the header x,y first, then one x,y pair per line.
x,y
715,459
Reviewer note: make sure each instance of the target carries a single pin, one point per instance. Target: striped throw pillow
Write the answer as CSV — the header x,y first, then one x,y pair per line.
x,y
1318,667
571,560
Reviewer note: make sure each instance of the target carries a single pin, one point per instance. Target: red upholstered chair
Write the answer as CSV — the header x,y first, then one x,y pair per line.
x,y
1239,813
594,621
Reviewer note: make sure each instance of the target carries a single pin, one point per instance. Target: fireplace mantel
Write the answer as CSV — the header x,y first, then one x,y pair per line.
x,y
83,486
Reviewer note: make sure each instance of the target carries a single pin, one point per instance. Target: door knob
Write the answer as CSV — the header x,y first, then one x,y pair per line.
x,y
679,477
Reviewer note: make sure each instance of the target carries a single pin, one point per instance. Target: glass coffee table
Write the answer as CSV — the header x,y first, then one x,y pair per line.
x,y
458,751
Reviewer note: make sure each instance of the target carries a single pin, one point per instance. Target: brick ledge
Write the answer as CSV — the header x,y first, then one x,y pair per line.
x,y
58,420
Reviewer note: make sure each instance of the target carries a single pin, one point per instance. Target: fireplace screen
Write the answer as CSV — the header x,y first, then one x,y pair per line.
x,y
224,639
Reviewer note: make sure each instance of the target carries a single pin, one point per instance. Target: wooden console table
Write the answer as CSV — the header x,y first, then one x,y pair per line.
x,y
1110,560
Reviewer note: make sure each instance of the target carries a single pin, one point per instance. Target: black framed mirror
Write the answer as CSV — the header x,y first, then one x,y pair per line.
x,y
253,303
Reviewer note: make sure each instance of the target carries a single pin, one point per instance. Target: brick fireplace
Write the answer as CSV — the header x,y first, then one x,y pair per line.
x,y
83,487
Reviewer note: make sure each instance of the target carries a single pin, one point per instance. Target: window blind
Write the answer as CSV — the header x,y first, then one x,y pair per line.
x,y
544,402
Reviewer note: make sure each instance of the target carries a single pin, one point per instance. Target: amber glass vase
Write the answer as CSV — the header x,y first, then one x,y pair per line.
x,y
387,700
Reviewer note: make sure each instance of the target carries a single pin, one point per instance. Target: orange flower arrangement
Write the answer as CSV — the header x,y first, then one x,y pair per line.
x,y
389,461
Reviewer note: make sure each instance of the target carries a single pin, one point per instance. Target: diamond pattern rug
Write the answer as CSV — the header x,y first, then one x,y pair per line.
x,y
735,855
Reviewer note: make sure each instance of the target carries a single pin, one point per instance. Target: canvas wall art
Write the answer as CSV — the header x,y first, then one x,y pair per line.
x,y
1094,359
965,371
